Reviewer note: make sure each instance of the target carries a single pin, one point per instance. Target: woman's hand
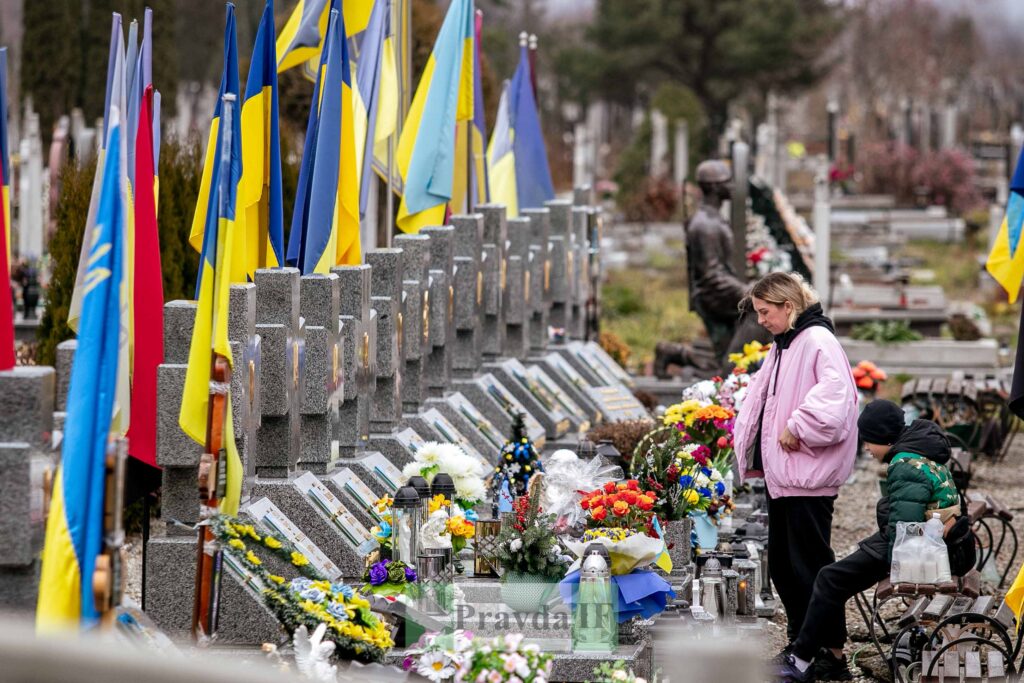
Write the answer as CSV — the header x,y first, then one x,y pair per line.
x,y
788,441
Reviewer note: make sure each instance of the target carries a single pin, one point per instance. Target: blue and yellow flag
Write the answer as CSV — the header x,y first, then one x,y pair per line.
x,y
210,333
205,217
471,165
1006,260
444,97
533,177
375,96
5,158
260,191
302,38
325,225
501,159
74,529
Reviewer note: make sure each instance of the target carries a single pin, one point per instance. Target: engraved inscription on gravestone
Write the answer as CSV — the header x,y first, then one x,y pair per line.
x,y
384,469
267,515
349,481
451,434
476,418
341,518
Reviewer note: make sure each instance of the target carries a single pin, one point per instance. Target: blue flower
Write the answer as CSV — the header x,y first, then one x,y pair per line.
x,y
344,589
337,610
300,584
706,471
685,481
313,594
719,488
471,515
385,530
704,492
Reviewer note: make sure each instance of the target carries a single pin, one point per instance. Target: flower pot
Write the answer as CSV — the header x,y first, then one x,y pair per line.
x,y
706,530
677,537
527,593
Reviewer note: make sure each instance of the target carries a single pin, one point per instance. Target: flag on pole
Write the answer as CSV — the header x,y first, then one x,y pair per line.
x,y
533,177
210,331
325,225
7,353
471,165
302,38
501,158
444,97
114,94
148,300
1006,260
74,528
205,218
375,96
260,194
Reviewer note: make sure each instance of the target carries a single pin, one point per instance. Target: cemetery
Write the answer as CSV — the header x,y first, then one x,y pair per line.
x,y
483,342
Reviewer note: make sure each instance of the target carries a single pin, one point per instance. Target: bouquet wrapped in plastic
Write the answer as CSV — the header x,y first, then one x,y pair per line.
x,y
566,480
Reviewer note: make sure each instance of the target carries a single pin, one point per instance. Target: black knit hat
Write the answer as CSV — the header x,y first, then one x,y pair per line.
x,y
882,422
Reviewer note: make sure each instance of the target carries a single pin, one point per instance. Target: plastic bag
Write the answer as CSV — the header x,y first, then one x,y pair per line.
x,y
919,554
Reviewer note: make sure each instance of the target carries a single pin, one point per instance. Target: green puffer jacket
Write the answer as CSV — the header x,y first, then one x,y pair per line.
x,y
916,485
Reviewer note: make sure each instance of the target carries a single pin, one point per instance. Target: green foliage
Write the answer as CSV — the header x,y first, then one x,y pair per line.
x,y
65,247
180,173
885,332
50,59
528,544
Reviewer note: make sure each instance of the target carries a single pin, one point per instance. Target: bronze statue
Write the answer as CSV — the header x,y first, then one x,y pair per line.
x,y
715,289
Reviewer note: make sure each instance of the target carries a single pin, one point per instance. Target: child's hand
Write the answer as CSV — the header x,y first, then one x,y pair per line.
x,y
788,441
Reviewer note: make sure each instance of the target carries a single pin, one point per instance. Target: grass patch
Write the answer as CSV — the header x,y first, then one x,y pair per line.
x,y
955,265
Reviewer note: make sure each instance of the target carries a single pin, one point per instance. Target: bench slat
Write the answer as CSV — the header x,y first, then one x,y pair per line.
x,y
983,604
913,612
951,666
972,666
937,607
996,667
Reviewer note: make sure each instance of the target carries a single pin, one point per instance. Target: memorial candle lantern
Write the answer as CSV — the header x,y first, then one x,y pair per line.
x,y
405,525
443,485
594,624
423,491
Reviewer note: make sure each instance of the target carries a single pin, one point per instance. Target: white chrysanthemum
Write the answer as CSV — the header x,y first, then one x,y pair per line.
x,y
702,480
470,488
702,391
430,453
413,469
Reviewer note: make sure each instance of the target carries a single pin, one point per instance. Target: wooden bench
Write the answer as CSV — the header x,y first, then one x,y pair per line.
x,y
970,641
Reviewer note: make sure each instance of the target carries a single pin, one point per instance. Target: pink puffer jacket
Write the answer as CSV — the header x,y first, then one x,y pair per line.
x,y
811,391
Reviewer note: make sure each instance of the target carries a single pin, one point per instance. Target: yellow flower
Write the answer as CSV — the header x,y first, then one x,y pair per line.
x,y
298,559
271,542
322,585
358,601
252,558
236,544
691,497
437,502
383,503
276,579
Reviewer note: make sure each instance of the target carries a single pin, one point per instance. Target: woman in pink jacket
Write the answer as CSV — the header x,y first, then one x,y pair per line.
x,y
798,429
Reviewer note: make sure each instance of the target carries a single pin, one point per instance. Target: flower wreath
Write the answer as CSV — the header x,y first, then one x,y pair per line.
x,y
309,600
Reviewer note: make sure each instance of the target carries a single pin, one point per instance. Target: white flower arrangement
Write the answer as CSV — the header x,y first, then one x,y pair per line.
x,y
466,472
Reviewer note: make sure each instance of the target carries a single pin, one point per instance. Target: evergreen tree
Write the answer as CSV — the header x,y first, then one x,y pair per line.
x,y
65,246
519,459
180,173
50,59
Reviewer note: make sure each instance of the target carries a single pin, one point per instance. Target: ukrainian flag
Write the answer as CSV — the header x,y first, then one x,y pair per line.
x,y
210,333
1006,260
476,157
302,38
5,158
205,218
426,150
501,159
74,529
375,96
260,191
114,94
533,177
325,225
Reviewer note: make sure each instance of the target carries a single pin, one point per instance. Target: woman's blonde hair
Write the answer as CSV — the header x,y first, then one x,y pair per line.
x,y
778,288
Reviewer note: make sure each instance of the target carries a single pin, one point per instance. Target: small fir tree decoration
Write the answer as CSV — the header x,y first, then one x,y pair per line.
x,y
519,459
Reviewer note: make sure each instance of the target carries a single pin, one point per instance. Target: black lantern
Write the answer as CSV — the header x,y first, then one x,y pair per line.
x,y
423,491
607,450
443,485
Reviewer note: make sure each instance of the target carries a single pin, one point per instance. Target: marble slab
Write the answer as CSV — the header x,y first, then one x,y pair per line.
x,y
268,516
530,394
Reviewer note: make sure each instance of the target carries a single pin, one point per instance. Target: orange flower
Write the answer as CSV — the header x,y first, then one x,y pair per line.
x,y
630,497
612,499
621,508
621,486
599,513
714,412
645,503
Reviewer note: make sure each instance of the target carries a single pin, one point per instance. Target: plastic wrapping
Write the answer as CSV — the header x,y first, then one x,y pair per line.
x,y
919,554
566,478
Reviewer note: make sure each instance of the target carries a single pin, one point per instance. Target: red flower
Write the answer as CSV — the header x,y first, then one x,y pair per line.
x,y
633,485
723,442
609,487
645,503
621,508
650,494
585,503
630,497
612,499
599,513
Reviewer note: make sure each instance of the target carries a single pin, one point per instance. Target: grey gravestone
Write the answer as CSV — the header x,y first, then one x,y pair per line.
x,y
26,404
438,367
358,496
176,452
562,265
578,416
322,385
469,293
65,356
518,287
484,436
581,260
359,328
398,448
380,474
387,290
179,318
500,406
571,382
241,313
416,320
516,378
22,524
277,296
540,276
494,266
